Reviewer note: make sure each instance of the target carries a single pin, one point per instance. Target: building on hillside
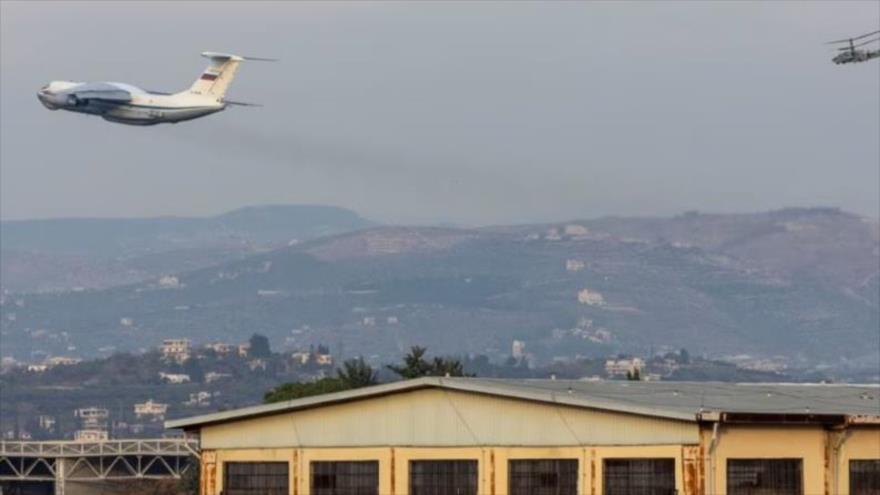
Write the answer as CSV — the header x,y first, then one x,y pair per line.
x,y
665,366
219,348
323,359
154,410
257,364
623,367
244,350
201,398
90,435
301,357
47,422
174,378
472,436
574,265
169,282
92,418
178,350
576,230
62,361
119,427
591,297
518,349
213,376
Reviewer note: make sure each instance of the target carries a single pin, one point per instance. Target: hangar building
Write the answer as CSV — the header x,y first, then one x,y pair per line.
x,y
471,436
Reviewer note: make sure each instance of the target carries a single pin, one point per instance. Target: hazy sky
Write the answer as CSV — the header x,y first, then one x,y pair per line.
x,y
451,111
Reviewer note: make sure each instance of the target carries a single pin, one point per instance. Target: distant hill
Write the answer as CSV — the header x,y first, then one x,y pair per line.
x,y
798,286
819,244
60,254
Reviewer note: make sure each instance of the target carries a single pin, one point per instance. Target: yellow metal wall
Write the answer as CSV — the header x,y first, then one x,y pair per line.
x,y
438,424
857,443
394,464
439,418
813,444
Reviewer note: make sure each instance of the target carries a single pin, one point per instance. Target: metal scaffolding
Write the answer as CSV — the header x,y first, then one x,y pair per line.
x,y
64,461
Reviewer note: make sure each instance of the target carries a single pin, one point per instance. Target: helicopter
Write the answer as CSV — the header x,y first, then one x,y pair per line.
x,y
851,55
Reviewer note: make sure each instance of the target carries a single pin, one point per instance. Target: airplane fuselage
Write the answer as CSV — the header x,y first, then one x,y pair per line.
x,y
140,107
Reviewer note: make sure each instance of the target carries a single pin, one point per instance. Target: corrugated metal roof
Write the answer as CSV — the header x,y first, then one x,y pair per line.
x,y
673,400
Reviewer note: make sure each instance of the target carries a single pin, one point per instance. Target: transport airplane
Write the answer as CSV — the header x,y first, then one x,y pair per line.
x,y
127,104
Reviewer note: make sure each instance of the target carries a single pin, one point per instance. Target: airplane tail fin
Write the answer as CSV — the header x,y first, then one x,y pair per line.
x,y
216,78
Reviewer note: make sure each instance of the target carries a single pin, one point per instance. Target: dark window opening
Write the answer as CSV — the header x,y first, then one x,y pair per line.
x,y
443,477
345,478
255,478
864,477
543,476
639,476
764,477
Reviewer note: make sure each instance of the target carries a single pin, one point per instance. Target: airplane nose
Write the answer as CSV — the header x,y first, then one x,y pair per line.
x,y
48,100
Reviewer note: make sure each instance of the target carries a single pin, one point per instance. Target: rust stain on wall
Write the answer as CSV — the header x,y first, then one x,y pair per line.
x,y
393,473
209,473
828,454
296,472
692,460
492,471
701,468
593,472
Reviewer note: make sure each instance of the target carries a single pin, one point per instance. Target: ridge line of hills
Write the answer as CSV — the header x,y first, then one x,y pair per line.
x,y
796,286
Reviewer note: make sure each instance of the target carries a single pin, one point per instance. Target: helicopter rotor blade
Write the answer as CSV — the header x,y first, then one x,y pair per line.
x,y
866,35
850,40
868,42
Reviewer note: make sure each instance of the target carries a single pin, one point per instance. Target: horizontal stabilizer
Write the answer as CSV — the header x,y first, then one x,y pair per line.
x,y
228,56
242,104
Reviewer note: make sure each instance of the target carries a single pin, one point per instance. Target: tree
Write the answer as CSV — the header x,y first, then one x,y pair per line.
x,y
447,367
415,365
297,390
356,373
259,346
634,376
